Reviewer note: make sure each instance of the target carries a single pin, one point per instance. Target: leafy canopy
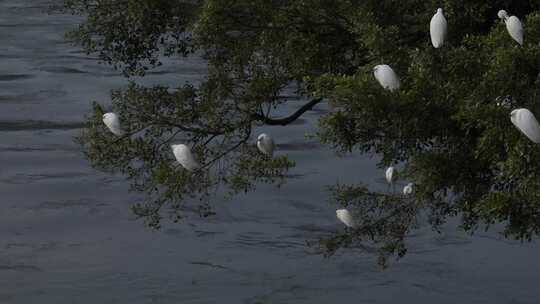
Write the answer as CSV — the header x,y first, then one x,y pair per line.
x,y
447,127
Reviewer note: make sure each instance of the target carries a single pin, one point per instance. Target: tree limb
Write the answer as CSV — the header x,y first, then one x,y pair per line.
x,y
289,119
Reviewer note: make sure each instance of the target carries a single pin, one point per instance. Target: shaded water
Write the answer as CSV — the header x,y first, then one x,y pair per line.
x,y
67,236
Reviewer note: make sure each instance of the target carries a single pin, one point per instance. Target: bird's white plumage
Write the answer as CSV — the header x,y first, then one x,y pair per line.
x,y
438,28
386,77
408,189
391,175
265,144
513,26
345,217
183,155
515,29
525,121
112,122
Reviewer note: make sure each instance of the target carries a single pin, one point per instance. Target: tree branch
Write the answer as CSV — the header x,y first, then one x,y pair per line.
x,y
241,142
289,119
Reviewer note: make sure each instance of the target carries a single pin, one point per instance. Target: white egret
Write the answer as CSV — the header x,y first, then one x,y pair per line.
x,y
183,155
408,189
525,121
112,122
386,77
265,144
513,25
391,175
345,217
438,28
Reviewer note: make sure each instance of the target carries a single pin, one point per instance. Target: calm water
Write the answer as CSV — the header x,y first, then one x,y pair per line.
x,y
67,236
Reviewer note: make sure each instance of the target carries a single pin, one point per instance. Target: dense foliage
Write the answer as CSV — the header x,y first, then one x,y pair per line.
x,y
447,127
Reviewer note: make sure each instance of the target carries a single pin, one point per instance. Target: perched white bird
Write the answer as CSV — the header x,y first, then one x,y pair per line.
x,y
386,77
513,25
345,216
183,155
408,190
437,29
265,144
391,175
112,122
525,121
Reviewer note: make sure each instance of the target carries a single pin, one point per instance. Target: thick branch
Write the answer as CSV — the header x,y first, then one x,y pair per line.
x,y
289,119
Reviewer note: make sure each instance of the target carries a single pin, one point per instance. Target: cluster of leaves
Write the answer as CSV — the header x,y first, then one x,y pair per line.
x,y
131,35
445,127
449,126
154,118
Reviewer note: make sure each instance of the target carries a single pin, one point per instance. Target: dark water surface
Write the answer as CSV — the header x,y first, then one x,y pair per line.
x,y
67,236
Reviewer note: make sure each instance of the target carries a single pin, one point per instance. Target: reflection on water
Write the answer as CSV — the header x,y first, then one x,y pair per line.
x,y
67,235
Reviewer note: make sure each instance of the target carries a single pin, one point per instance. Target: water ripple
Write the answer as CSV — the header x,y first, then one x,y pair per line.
x,y
255,240
62,70
39,125
13,77
31,178
20,268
